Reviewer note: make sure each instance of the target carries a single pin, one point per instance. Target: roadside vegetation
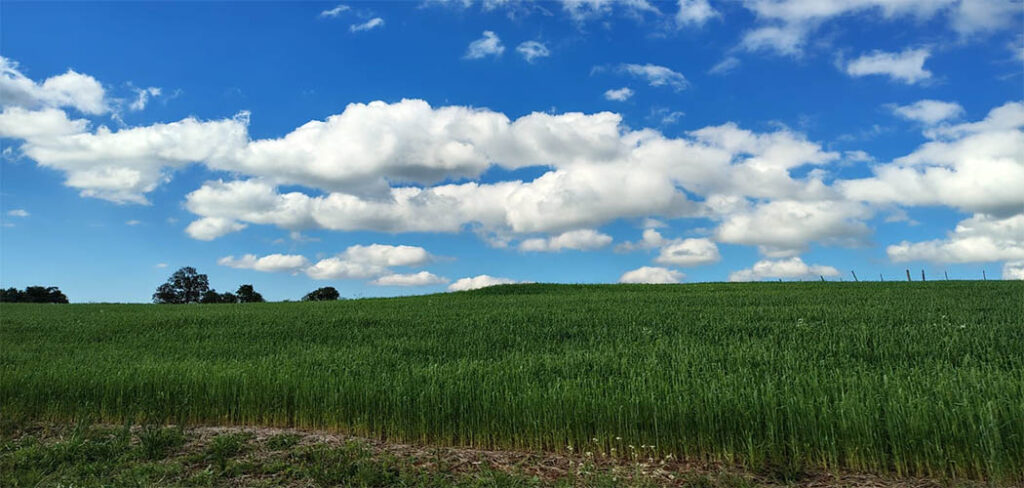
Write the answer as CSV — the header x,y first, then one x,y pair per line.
x,y
83,455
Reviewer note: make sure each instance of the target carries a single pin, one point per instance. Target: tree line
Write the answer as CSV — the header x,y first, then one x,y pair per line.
x,y
187,285
33,294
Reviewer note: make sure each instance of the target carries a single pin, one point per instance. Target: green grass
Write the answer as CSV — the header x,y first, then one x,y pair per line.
x,y
910,379
87,456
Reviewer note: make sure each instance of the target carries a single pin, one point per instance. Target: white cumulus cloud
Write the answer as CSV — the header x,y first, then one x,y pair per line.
x,y
270,263
929,112
906,66
581,240
479,281
689,252
651,275
422,278
977,167
694,12
618,95
71,89
784,26
792,268
210,228
1013,271
980,238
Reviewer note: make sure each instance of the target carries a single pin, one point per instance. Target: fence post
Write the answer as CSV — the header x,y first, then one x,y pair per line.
x,y
908,275
922,275
880,277
983,275
946,274
822,278
854,273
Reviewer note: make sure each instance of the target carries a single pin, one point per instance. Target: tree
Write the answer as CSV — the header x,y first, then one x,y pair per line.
x,y
211,296
34,294
246,294
10,295
186,285
322,294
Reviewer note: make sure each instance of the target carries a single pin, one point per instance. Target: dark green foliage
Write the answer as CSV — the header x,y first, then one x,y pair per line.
x,y
785,378
225,447
33,294
211,296
326,293
246,294
186,285
282,441
157,442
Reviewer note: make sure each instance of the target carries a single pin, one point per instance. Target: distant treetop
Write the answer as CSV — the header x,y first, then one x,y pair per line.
x,y
326,293
33,294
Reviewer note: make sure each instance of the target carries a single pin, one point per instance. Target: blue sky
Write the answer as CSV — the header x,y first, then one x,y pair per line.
x,y
450,145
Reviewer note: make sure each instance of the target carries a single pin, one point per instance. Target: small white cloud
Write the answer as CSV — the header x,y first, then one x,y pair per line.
x,y
270,263
666,116
387,255
368,25
906,66
132,222
787,39
651,275
689,252
210,228
651,239
300,237
694,13
18,212
657,75
580,240
857,156
619,95
160,265
928,112
422,278
725,66
480,281
334,12
142,96
792,268
488,45
531,50
375,260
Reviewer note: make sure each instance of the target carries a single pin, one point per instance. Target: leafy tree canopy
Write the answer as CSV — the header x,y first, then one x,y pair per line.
x,y
246,294
34,294
186,285
322,294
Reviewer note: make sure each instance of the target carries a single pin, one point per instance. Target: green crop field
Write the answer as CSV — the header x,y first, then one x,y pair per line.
x,y
908,379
